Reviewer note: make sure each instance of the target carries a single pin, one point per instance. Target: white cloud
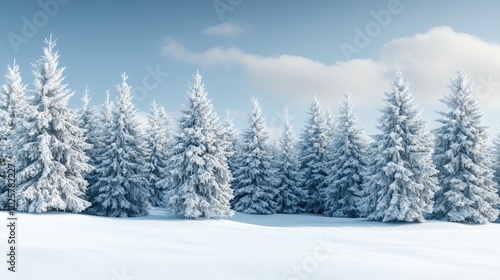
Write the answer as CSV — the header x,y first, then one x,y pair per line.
x,y
428,60
224,29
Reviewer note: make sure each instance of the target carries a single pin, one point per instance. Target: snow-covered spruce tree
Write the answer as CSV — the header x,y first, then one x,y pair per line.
x,y
404,182
51,148
467,193
14,103
198,185
14,99
108,109
330,125
496,161
367,198
290,194
104,122
313,148
347,164
89,121
121,189
5,159
229,137
158,140
255,178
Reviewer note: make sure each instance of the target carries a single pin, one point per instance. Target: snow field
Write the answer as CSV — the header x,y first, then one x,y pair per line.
x,y
69,246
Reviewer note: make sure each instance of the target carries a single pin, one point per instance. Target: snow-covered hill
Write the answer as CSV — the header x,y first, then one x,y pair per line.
x,y
69,246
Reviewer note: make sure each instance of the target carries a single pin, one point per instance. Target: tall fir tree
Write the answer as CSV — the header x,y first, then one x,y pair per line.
x,y
404,181
14,99
347,164
198,185
330,125
367,197
108,109
51,147
5,160
89,121
467,193
158,140
290,194
14,105
121,189
255,177
229,137
313,148
496,161
103,125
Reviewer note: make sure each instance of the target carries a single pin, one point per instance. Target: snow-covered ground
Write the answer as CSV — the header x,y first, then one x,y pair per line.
x,y
68,246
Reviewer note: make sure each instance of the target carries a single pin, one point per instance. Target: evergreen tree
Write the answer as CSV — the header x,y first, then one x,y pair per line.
x,y
467,191
290,194
5,159
231,141
121,189
158,137
14,103
496,161
313,148
51,147
198,185
14,99
404,180
255,178
330,125
103,125
367,197
347,162
88,118
108,109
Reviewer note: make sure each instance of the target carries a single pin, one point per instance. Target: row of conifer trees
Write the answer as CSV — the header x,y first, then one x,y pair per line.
x,y
100,161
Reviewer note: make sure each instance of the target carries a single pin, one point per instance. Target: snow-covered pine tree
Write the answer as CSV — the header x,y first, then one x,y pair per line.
x,y
229,137
104,123
108,109
255,178
367,198
51,147
5,159
404,181
14,103
313,148
198,185
158,139
121,189
14,99
89,121
496,161
347,164
467,193
290,194
330,125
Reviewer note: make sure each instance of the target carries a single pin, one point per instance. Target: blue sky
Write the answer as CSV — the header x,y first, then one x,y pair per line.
x,y
282,52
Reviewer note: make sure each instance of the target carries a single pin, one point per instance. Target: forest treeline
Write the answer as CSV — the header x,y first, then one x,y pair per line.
x,y
99,161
